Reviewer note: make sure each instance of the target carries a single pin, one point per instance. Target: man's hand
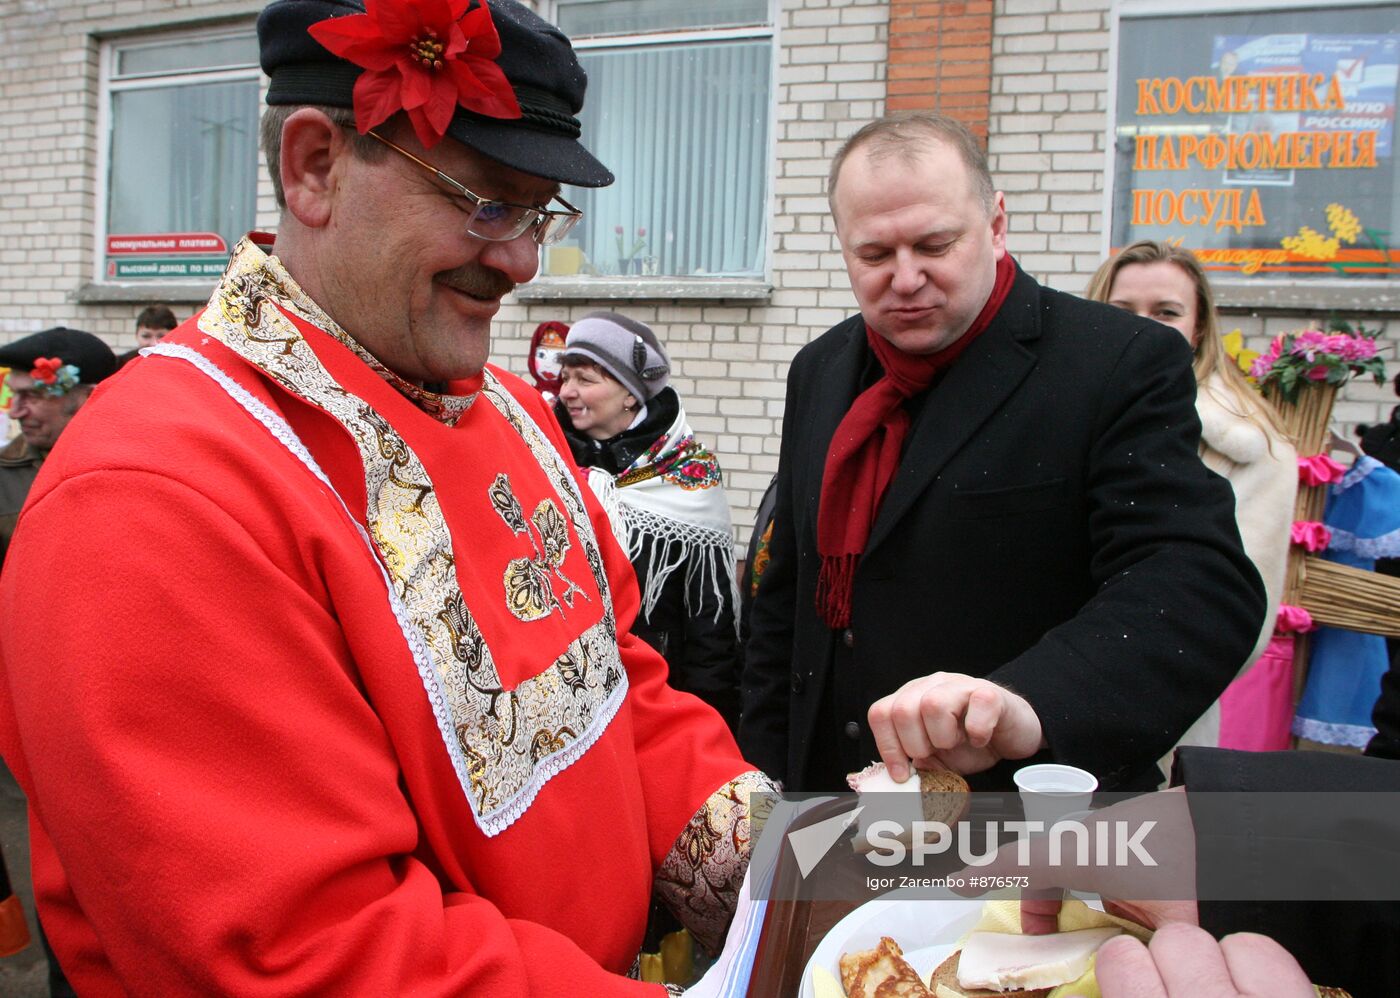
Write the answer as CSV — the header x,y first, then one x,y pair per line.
x,y
962,723
1173,845
1183,961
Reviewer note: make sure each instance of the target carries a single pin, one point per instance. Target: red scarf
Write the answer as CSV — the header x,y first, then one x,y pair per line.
x,y
864,453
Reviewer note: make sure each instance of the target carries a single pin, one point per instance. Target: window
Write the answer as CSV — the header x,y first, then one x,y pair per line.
x,y
1263,139
678,107
180,151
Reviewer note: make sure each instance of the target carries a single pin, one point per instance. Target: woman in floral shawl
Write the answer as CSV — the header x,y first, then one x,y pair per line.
x,y
662,490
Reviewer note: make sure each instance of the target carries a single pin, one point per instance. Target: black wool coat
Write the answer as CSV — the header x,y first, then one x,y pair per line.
x,y
1050,527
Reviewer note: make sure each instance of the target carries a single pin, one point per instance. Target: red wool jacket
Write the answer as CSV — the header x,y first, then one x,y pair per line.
x,y
238,784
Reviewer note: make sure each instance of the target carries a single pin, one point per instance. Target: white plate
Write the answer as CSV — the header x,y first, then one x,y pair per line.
x,y
926,930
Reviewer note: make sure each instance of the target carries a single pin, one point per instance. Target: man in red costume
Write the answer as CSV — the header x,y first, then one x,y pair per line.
x,y
379,725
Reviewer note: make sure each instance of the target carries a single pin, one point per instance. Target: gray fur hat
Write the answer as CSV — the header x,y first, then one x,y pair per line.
x,y
625,348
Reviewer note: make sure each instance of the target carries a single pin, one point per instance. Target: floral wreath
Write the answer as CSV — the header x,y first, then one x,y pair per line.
x,y
423,57
1295,359
53,377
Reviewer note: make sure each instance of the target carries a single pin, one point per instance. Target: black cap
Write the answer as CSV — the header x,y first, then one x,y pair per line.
x,y
93,358
536,58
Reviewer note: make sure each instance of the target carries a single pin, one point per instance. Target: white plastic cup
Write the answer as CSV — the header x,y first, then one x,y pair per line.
x,y
1050,791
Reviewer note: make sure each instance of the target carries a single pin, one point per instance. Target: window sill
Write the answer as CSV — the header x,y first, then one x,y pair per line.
x,y
645,289
167,292
1342,297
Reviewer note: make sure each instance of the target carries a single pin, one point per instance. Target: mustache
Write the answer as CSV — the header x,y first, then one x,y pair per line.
x,y
478,281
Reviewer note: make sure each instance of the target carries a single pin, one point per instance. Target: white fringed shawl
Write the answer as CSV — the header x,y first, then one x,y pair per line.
x,y
673,496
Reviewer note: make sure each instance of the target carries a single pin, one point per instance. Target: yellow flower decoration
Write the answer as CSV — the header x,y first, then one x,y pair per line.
x,y
1234,346
1345,226
1311,244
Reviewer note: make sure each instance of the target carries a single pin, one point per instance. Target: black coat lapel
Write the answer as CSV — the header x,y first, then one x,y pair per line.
x,y
973,389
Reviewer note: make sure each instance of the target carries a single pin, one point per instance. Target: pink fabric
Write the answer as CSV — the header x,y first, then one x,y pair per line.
x,y
1257,709
1320,470
1293,620
1312,535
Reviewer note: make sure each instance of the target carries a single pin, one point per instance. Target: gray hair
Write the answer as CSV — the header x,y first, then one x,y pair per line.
x,y
276,115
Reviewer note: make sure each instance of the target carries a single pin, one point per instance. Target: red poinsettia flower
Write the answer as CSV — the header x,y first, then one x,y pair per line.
x,y
46,369
424,57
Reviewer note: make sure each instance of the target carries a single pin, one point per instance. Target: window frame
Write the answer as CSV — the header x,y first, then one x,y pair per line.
x,y
1346,294
756,287
109,83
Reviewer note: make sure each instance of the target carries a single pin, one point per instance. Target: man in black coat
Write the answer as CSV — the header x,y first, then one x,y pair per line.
x,y
994,539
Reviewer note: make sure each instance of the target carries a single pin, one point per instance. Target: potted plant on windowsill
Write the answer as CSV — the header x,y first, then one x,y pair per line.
x,y
628,260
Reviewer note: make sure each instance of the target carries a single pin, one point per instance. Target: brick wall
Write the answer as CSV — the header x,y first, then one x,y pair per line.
x,y
1035,71
731,358
49,83
941,59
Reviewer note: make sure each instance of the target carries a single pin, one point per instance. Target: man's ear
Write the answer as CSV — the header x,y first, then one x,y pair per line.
x,y
999,225
311,142
77,396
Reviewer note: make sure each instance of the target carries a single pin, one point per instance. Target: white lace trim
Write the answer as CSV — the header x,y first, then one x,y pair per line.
x,y
1384,546
503,817
1360,468
1333,733
285,435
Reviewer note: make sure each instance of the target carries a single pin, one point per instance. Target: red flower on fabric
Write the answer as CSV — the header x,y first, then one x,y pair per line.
x,y
46,369
424,57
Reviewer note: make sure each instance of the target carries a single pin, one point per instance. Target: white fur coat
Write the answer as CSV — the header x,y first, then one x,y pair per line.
x,y
1263,471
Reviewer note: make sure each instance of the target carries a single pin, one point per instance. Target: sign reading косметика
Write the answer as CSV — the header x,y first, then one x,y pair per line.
x,y
1263,142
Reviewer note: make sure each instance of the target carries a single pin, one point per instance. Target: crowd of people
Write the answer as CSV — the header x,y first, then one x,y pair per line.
x,y
436,685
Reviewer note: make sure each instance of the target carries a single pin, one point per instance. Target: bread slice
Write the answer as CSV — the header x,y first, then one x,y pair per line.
x,y
946,976
881,972
945,794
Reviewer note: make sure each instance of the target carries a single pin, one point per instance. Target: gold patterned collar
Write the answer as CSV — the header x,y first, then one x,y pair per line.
x,y
253,249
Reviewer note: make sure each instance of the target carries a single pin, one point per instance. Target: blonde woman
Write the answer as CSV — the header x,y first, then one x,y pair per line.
x,y
1242,440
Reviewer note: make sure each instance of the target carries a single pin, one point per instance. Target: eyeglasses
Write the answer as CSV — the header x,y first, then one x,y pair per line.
x,y
502,221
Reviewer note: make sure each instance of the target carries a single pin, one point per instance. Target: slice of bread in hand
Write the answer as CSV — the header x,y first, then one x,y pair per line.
x,y
881,972
945,793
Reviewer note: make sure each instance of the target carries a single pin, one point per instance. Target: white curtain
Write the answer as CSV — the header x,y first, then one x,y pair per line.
x,y
578,18
685,129
184,159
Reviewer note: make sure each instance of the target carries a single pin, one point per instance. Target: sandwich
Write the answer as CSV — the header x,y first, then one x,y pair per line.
x,y
943,794
1012,965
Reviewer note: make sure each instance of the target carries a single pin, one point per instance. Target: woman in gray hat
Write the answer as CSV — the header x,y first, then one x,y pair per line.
x,y
663,492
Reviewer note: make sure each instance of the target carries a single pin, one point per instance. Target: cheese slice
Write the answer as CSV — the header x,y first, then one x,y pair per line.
x,y
1004,961
824,983
1086,985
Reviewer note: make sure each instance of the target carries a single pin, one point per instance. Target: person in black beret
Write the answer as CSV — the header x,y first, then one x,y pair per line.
x,y
379,724
51,375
